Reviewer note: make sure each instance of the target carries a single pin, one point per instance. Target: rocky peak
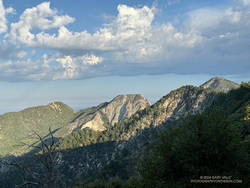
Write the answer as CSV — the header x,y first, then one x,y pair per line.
x,y
106,115
57,106
220,84
124,106
178,103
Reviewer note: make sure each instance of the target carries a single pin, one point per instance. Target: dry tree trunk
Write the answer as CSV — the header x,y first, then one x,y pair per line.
x,y
48,159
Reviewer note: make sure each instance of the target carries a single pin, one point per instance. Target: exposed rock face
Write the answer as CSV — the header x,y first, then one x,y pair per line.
x,y
220,84
136,133
96,123
56,106
178,103
123,106
107,114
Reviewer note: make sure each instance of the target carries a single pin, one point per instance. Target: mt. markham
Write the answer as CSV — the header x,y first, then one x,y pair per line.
x,y
109,141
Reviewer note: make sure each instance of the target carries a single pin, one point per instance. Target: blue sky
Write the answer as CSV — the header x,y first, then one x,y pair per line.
x,y
87,52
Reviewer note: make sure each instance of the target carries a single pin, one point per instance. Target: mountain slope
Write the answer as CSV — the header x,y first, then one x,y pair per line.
x,y
136,143
17,127
178,103
220,84
107,114
216,141
132,135
125,139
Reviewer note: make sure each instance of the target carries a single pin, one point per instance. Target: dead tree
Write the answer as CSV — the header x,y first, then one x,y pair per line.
x,y
46,175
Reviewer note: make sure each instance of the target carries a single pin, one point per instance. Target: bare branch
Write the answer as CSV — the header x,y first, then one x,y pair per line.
x,y
26,183
48,159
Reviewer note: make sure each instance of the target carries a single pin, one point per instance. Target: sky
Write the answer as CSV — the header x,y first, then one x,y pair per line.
x,y
87,52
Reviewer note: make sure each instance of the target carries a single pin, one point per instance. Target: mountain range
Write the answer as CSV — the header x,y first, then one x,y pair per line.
x,y
120,130
18,127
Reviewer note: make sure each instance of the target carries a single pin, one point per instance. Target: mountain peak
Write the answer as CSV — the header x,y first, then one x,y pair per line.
x,y
220,84
56,103
57,106
131,97
100,117
19,125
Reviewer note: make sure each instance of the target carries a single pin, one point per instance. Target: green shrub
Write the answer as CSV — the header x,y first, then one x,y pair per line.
x,y
207,144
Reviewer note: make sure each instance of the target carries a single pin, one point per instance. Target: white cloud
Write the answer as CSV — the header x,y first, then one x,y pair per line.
x,y
90,59
19,70
21,54
3,21
10,10
40,17
3,12
246,2
130,36
67,67
208,39
131,24
75,66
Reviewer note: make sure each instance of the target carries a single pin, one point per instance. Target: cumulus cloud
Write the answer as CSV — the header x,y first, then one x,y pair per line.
x,y
208,40
20,70
3,13
10,10
74,66
7,51
3,21
21,54
40,17
69,66
56,66
246,2
130,24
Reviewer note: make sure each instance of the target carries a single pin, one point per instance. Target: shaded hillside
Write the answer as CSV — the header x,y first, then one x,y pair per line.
x,y
213,142
17,127
132,135
216,141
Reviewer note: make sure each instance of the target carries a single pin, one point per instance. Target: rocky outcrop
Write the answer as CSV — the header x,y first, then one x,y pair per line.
x,y
124,106
107,114
220,84
178,103
133,136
